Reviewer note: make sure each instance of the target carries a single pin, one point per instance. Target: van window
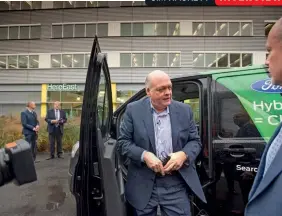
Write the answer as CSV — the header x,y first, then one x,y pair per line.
x,y
233,120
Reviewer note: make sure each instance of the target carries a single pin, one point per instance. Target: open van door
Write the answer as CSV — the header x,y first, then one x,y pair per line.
x,y
98,188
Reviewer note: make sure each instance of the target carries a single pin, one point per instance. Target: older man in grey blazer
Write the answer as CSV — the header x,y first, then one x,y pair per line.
x,y
159,137
265,197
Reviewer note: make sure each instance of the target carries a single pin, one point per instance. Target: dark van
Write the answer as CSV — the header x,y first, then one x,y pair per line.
x,y
236,111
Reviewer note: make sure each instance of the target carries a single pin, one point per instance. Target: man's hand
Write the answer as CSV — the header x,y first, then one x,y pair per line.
x,y
176,161
154,163
37,127
54,121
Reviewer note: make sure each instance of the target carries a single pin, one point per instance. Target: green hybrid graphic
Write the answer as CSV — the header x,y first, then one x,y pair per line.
x,y
259,97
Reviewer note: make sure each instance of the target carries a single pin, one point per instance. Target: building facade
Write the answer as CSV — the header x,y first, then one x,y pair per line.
x,y
45,46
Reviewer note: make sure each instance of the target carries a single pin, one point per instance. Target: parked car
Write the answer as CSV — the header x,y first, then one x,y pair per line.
x,y
236,111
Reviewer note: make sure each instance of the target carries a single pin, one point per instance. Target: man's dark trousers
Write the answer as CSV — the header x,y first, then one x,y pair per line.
x,y
31,139
56,136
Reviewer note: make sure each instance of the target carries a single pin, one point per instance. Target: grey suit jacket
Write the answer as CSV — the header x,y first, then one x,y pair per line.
x,y
137,135
265,197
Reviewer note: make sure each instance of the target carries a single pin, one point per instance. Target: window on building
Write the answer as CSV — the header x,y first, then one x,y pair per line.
x,y
56,61
13,32
161,29
24,32
35,32
4,5
34,61
222,59
149,59
3,62
125,60
3,33
57,31
66,60
125,29
137,29
12,62
92,4
58,4
221,29
102,29
174,60
137,59
234,29
268,27
173,29
90,30
78,60
87,57
246,29
198,59
26,5
79,30
198,29
23,61
68,31
36,4
210,29
210,60
103,4
161,60
69,4
15,5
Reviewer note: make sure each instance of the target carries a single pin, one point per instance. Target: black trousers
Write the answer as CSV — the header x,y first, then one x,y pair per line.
x,y
32,139
56,136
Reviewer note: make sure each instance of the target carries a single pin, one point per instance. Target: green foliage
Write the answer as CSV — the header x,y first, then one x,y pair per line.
x,y
11,130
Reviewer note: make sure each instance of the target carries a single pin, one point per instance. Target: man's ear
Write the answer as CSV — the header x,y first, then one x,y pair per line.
x,y
148,91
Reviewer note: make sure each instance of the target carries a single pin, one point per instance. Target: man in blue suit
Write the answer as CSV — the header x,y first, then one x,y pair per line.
x,y
30,125
56,118
265,197
159,137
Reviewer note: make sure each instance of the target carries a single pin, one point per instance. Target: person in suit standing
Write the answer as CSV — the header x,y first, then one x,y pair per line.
x,y
159,137
265,196
30,125
56,118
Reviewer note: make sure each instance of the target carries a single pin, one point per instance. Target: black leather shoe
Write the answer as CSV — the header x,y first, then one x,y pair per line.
x,y
50,158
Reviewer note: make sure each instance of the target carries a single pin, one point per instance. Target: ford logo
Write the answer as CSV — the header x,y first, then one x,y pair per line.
x,y
266,86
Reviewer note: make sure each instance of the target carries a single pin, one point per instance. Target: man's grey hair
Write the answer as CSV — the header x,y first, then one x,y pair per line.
x,y
278,27
29,103
150,75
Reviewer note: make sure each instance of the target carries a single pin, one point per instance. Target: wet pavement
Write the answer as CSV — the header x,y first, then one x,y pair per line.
x,y
48,196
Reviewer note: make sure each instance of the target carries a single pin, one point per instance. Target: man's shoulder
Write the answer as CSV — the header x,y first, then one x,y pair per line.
x,y
139,103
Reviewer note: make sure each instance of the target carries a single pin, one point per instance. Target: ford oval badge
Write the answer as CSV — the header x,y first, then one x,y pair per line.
x,y
266,86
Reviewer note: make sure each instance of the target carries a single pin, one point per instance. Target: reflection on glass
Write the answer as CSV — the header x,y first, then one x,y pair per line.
x,y
125,60
92,3
198,29
4,5
78,60
124,95
35,32
72,96
174,29
137,59
210,29
87,57
12,61
125,29
36,4
15,5
56,61
246,29
174,60
234,29
66,60
222,29
3,62
34,61
13,32
24,32
79,30
222,59
210,60
53,96
247,59
102,29
137,29
90,30
26,5
57,31
68,30
235,60
58,4
68,4
198,59
23,61
102,4
3,32
194,104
